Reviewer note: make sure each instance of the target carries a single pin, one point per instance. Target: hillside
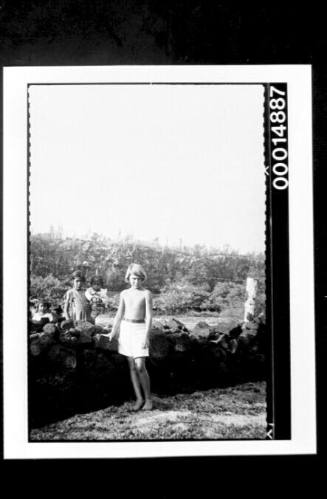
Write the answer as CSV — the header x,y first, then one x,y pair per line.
x,y
181,279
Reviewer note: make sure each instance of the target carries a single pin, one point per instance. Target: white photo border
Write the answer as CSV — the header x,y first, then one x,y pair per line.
x,y
15,230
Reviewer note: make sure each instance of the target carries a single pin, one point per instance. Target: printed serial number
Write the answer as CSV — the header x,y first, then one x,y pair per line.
x,y
278,127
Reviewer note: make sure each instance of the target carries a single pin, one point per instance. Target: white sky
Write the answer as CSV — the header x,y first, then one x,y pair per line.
x,y
168,162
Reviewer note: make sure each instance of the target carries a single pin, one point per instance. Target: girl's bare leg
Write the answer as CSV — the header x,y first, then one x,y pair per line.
x,y
145,381
136,384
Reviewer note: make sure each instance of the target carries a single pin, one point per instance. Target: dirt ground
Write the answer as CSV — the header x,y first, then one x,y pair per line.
x,y
237,412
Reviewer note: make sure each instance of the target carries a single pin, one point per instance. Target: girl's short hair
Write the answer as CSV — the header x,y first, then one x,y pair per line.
x,y
136,269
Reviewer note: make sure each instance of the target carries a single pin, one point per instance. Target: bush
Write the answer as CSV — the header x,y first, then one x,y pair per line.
x,y
113,302
48,288
180,297
184,278
50,254
225,295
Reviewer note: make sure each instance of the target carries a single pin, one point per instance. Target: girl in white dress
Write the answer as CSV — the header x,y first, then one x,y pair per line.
x,y
134,317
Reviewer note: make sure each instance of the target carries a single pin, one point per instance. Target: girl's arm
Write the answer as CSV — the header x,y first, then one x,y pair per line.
x,y
118,317
148,316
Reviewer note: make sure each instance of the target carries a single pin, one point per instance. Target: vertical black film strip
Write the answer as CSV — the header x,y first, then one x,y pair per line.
x,y
277,263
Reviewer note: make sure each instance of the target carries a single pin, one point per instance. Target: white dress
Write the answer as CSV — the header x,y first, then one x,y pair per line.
x,y
131,339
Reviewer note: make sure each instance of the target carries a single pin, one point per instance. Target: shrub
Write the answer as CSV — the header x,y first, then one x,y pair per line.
x,y
181,278
179,297
48,288
113,302
225,295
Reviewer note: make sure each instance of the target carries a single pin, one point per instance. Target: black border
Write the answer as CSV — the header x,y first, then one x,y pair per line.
x,y
278,288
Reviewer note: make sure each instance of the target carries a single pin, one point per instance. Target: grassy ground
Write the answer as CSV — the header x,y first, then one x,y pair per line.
x,y
237,412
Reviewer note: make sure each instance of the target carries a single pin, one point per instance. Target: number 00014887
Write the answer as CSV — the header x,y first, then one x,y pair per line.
x,y
279,151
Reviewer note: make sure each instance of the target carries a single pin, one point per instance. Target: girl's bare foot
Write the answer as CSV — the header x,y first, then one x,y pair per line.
x,y
137,406
148,405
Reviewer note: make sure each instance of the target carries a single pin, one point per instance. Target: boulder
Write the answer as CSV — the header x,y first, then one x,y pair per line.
x,y
68,338
181,325
226,324
99,329
157,326
64,357
103,365
103,342
86,331
214,331
201,330
84,326
222,341
159,346
46,340
33,336
104,321
174,325
182,343
85,338
247,336
227,343
233,345
35,347
89,358
37,326
74,332
235,332
39,342
66,324
50,328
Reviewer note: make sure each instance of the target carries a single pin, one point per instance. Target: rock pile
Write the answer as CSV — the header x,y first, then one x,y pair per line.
x,y
75,368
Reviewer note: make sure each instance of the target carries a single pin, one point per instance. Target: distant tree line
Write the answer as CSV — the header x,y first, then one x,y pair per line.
x,y
181,278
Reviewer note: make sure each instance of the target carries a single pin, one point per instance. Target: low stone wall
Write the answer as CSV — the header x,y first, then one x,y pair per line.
x,y
75,368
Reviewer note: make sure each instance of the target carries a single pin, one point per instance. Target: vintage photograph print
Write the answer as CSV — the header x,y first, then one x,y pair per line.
x,y
157,246
164,184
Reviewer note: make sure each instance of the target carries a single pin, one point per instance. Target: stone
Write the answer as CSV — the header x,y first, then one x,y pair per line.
x,y
50,328
84,326
159,346
182,342
156,326
103,342
201,330
104,321
225,324
174,325
66,325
